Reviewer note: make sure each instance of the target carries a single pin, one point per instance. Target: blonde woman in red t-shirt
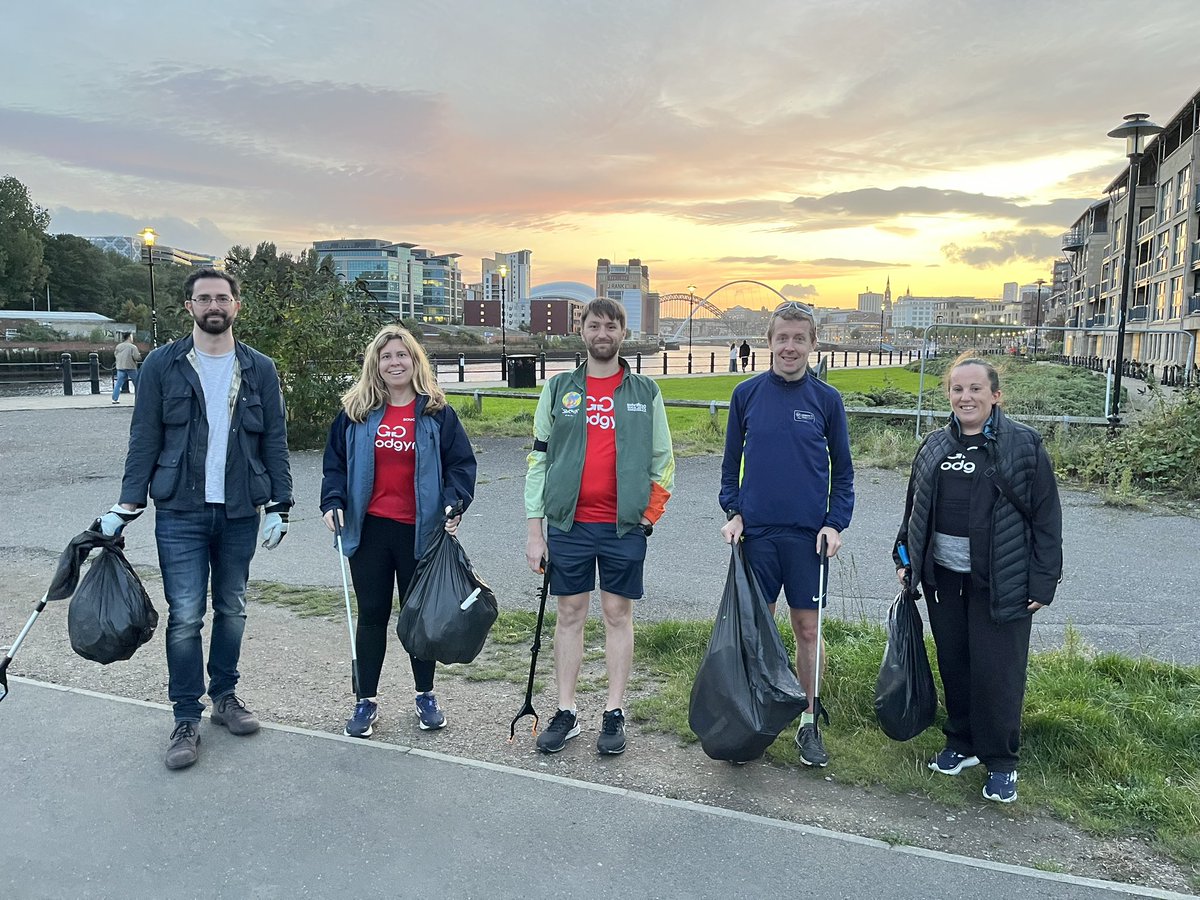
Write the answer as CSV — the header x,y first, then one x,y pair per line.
x,y
396,458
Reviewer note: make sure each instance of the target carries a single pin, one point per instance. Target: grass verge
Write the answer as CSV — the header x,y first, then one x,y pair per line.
x,y
1110,742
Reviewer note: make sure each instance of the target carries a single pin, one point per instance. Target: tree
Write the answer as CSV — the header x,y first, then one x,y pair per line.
x,y
297,312
22,224
77,273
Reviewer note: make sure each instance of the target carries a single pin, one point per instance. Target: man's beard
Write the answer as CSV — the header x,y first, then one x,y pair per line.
x,y
210,324
604,352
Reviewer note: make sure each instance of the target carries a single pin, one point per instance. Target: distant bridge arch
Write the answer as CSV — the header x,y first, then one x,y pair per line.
x,y
669,304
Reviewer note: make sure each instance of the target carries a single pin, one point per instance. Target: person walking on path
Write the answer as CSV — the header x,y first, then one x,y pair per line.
x,y
733,356
787,484
208,443
600,474
397,457
744,352
127,358
982,530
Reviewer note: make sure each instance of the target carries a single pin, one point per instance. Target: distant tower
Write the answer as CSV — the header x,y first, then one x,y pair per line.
x,y
887,295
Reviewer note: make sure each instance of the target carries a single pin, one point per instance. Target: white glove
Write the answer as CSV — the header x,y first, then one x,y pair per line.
x,y
274,526
113,521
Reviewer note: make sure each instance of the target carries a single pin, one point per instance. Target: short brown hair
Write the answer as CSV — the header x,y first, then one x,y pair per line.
x,y
792,311
234,288
604,306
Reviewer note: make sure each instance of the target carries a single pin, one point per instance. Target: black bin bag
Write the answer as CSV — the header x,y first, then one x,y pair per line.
x,y
745,692
110,615
448,609
905,697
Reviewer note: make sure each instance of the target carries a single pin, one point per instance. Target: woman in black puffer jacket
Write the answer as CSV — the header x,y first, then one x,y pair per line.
x,y
982,532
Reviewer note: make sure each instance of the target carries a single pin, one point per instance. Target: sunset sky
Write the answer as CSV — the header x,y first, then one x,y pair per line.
x,y
819,147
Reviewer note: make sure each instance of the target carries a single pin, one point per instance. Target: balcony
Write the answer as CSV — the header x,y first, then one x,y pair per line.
x,y
1073,240
1145,230
1195,255
1193,305
1198,196
1139,313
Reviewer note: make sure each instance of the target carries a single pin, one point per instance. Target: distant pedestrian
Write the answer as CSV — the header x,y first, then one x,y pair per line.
x,y
397,456
208,442
127,358
733,357
745,354
787,485
983,532
600,474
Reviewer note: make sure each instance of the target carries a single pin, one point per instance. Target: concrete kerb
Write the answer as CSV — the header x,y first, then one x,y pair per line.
x,y
668,802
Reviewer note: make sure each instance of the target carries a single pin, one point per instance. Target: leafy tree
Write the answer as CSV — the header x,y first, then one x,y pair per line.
x,y
78,274
297,312
22,224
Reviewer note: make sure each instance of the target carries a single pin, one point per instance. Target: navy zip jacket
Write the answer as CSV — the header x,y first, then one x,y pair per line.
x,y
168,437
794,440
445,471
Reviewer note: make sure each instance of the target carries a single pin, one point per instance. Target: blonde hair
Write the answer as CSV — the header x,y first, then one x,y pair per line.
x,y
369,392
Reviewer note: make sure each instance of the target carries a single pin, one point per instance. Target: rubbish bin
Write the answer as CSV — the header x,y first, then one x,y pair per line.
x,y
522,371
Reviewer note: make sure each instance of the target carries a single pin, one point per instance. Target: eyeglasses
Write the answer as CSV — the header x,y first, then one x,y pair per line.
x,y
795,305
205,300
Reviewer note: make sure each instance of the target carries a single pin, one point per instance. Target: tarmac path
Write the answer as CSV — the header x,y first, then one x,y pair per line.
x,y
1130,582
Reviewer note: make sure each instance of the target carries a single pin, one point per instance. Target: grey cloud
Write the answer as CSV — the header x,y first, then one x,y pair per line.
x,y
834,262
1000,247
201,236
759,260
799,291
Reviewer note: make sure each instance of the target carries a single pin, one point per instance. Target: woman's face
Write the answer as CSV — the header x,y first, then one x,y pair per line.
x,y
395,365
972,397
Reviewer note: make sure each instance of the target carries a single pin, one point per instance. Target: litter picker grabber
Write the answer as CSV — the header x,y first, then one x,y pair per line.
x,y
818,710
337,530
527,709
12,651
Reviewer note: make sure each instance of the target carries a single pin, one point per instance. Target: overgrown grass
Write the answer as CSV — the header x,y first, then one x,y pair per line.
x,y
1111,742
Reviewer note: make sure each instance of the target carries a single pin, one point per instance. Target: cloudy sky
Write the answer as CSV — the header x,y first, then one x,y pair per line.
x,y
819,147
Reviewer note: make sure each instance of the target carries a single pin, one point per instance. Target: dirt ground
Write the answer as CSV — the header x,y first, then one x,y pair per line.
x,y
295,671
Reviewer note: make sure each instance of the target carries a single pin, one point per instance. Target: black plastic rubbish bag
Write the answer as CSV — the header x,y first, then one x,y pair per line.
x,y
745,692
110,615
448,609
905,697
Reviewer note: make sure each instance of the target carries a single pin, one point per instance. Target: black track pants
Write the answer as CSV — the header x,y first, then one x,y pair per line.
x,y
382,563
983,667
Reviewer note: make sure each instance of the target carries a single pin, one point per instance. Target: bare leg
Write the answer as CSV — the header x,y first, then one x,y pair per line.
x,y
568,646
618,645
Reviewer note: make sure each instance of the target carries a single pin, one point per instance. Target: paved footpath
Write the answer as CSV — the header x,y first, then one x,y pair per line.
x,y
1129,584
289,813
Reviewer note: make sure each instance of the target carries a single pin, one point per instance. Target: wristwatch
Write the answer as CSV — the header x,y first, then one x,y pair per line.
x,y
730,513
647,529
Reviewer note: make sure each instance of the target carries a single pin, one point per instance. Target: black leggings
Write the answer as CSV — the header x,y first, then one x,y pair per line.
x,y
383,561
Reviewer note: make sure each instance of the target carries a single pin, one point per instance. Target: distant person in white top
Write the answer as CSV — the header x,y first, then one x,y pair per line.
x,y
128,357
733,357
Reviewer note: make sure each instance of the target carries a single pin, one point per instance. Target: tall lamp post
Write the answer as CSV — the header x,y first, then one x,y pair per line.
x,y
1135,129
880,331
148,238
1037,315
503,270
691,315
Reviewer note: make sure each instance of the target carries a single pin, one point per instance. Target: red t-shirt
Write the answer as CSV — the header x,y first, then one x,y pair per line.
x,y
393,495
598,486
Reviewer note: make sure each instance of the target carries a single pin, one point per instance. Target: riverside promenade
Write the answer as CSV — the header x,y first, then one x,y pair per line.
x,y
282,814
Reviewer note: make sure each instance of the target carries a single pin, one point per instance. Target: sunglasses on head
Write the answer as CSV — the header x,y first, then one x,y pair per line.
x,y
795,305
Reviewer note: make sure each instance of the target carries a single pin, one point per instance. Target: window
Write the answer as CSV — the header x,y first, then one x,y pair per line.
x,y
1181,188
1179,244
1176,307
1166,199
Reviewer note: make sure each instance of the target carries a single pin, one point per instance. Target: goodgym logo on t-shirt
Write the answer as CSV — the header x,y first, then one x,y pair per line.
x,y
600,412
393,438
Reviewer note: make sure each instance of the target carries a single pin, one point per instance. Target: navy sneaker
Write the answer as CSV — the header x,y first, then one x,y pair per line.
x,y
366,714
951,762
811,747
430,714
1001,787
612,733
562,728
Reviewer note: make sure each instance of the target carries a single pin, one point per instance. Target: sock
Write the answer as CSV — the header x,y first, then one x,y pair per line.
x,y
571,710
424,693
807,719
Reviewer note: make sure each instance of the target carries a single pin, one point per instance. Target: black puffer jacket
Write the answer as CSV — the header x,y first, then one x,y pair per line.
x,y
1014,559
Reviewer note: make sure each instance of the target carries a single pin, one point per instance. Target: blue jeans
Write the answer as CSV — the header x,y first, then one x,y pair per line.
x,y
122,376
192,547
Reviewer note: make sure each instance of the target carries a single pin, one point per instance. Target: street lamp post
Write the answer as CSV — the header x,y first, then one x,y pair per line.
x,y
1135,129
880,331
1037,316
503,270
148,238
691,315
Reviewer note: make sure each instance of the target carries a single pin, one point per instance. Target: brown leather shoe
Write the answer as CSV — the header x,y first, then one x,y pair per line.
x,y
232,713
183,750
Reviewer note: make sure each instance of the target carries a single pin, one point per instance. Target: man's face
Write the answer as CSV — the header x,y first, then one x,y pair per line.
x,y
602,337
792,341
212,305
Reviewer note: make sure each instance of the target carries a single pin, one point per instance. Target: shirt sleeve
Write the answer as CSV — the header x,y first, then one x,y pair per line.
x,y
731,462
841,467
662,463
535,477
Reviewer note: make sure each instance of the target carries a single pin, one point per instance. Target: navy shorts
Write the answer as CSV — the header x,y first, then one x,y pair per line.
x,y
785,558
575,555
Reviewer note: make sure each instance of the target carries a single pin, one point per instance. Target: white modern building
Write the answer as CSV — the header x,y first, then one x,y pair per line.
x,y
512,287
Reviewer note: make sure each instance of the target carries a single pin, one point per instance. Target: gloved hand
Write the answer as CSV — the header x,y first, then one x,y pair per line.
x,y
274,526
113,521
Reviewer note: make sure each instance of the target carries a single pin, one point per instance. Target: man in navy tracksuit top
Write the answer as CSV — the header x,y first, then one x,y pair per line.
x,y
787,482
